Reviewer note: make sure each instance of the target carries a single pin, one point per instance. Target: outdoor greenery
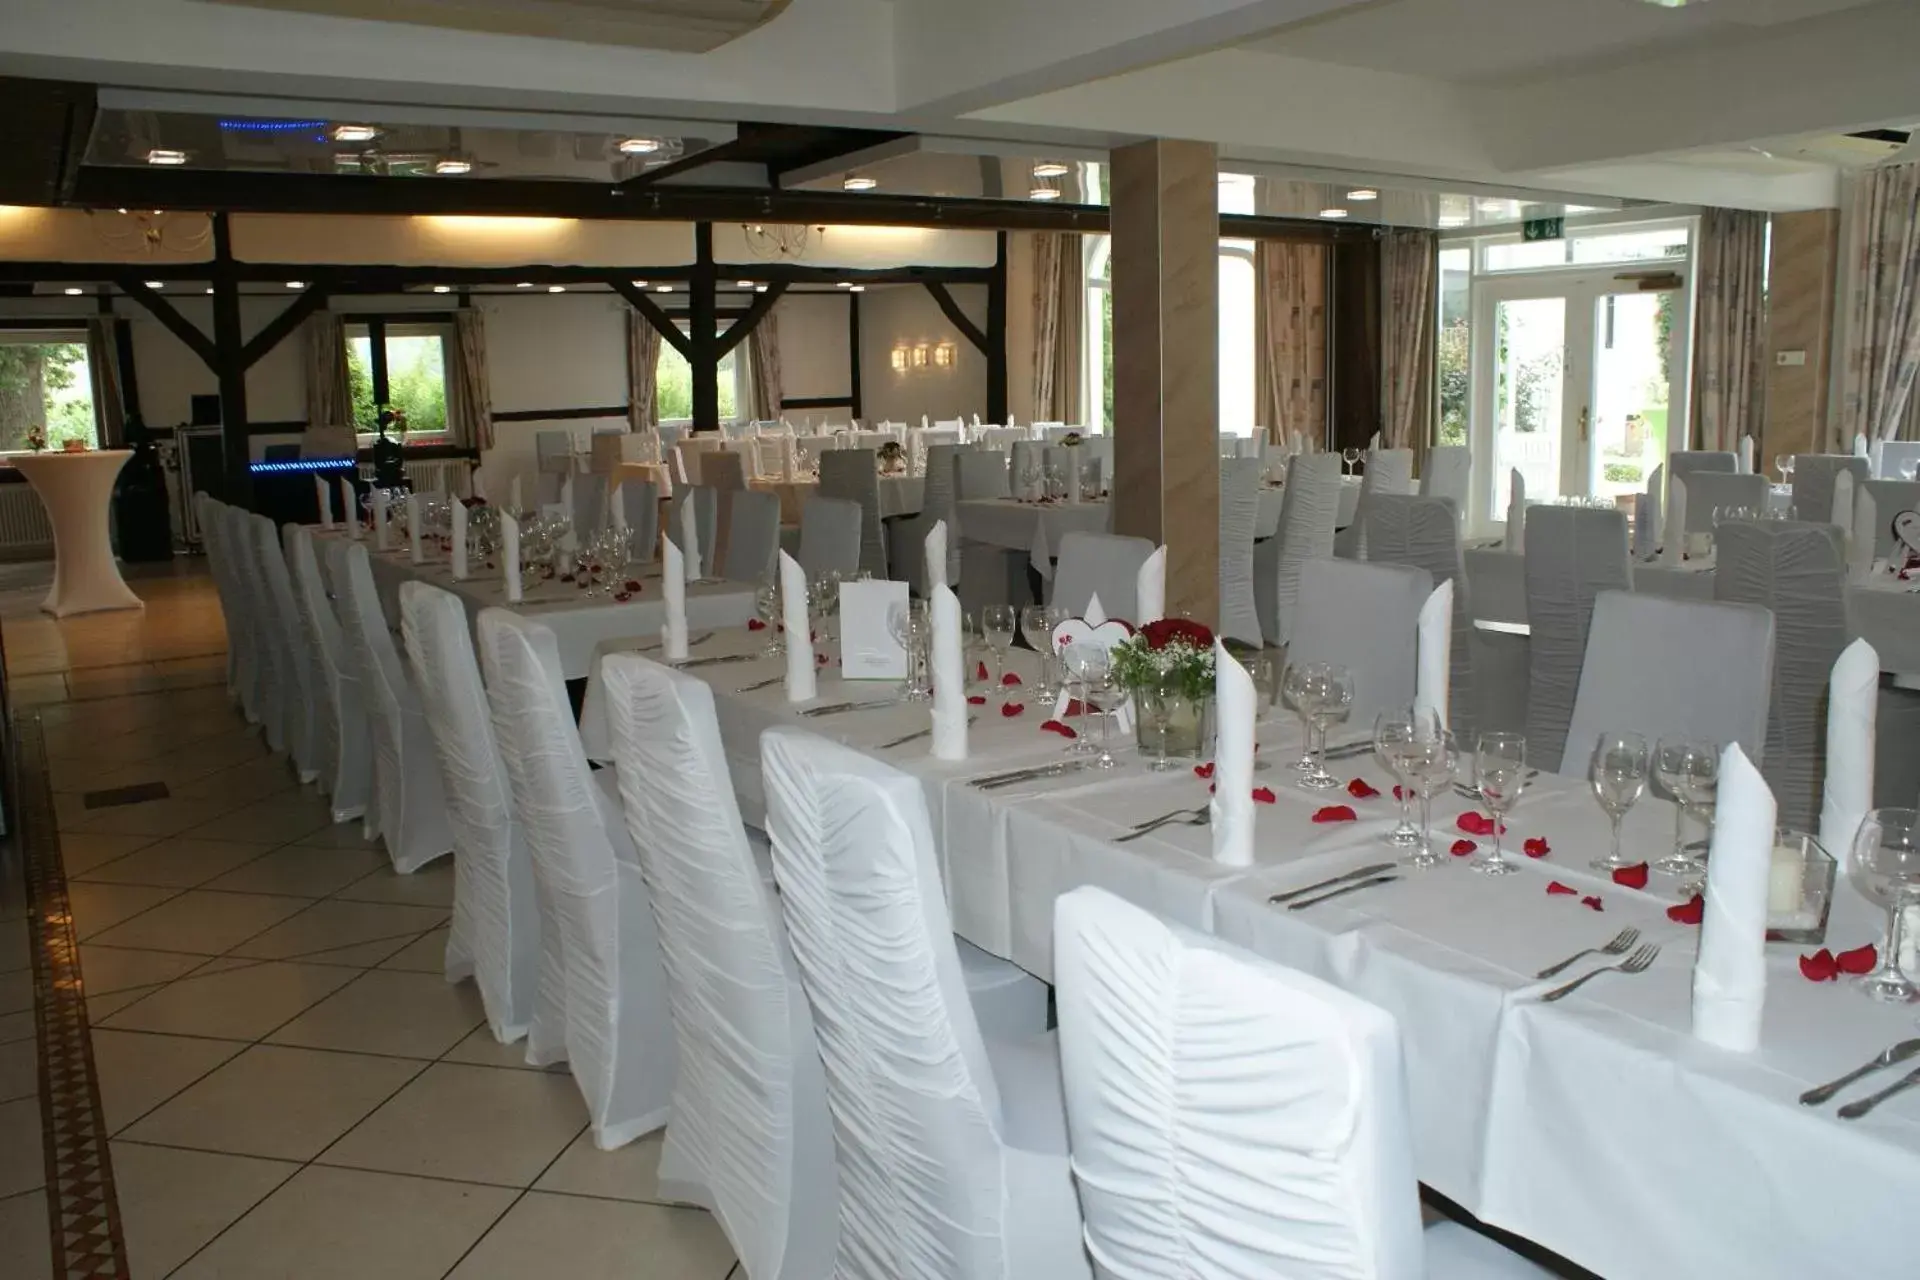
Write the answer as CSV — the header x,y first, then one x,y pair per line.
x,y
45,384
416,382
673,385
1455,381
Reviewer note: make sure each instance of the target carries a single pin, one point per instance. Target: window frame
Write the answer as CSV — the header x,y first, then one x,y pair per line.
x,y
376,323
741,383
57,335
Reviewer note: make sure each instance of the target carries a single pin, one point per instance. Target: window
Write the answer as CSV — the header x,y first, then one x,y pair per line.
x,y
400,362
45,383
1587,246
1455,345
673,385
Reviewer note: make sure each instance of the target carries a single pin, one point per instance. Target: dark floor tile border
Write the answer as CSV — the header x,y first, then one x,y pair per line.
x,y
83,1212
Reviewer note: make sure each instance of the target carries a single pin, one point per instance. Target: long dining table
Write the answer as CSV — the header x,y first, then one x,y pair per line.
x,y
1596,1126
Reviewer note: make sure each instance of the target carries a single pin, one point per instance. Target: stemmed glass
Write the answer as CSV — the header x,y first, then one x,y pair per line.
x,y
1393,732
1293,693
916,630
1885,868
1092,668
996,628
1429,758
1325,692
1037,622
1153,702
1682,767
1352,459
1618,772
1783,463
1500,773
766,606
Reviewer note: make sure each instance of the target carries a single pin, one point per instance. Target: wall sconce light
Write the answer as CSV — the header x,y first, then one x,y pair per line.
x,y
920,356
943,355
900,358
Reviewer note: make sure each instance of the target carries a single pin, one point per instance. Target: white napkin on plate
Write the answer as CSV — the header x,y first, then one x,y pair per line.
x,y
1232,805
1730,973
510,556
949,678
1746,455
802,683
936,546
1435,661
1853,700
349,509
1842,501
1517,512
1860,551
416,534
689,536
325,495
1150,588
1674,527
673,589
382,534
459,513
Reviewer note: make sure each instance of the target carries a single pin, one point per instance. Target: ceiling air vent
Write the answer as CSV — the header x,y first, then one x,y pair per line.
x,y
1853,150
687,26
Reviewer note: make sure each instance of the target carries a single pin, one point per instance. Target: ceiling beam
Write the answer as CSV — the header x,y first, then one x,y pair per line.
x,y
278,328
738,331
959,318
663,323
163,311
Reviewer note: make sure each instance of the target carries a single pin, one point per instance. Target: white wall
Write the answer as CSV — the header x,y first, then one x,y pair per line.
x,y
907,313
814,363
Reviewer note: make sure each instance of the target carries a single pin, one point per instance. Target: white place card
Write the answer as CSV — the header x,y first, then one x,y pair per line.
x,y
868,649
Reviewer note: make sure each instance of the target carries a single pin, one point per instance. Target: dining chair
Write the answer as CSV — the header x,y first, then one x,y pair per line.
x,y
1798,572
1448,473
255,674
950,1140
1711,491
589,507
770,456
1239,514
748,1135
208,516
753,536
726,467
1101,564
1389,473
1028,457
1572,555
989,574
408,801
1001,438
290,655
854,475
1363,615
1230,1117
346,767
1662,667
494,938
1425,533
603,1005
1308,509
1893,459
553,451
939,492
1688,463
641,499
1889,499
1813,479
706,520
830,536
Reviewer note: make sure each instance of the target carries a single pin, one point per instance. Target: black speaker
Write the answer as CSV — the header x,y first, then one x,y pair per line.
x,y
206,411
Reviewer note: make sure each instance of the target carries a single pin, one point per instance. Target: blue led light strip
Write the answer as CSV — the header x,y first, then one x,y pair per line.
x,y
271,126
304,464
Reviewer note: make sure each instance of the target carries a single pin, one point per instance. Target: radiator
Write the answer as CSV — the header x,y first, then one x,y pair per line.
x,y
24,531
452,476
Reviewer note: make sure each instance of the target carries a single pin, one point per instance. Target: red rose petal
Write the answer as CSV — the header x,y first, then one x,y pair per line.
x,y
1400,792
1010,680
754,624
1212,787
1203,770
1634,877
820,659
1689,912
977,700
1537,847
1361,789
1336,813
1475,823
1461,848
1012,709
623,596
1821,966
633,587
1054,726
1592,903
1858,960
980,671
1557,887
1263,795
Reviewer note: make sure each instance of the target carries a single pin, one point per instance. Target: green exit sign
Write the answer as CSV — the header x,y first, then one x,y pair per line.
x,y
1543,229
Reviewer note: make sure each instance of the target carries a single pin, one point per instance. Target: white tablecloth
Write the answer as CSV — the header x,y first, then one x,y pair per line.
x,y
1033,527
899,495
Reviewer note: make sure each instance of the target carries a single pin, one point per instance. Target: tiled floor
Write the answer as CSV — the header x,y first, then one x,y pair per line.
x,y
292,1089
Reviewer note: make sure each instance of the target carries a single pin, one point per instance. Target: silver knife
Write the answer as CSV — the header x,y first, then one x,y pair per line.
x,y
994,782
768,683
718,660
657,645
841,708
1356,874
1887,1058
1854,1110
1304,903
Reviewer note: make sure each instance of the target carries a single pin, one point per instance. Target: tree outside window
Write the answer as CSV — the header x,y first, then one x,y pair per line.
x,y
673,385
46,384
411,361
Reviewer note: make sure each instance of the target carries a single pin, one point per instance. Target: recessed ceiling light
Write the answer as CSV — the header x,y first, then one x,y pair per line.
x,y
209,290
1333,213
556,288
156,284
524,284
453,165
663,288
858,288
162,155
355,132
1363,193
743,284
639,284
1044,193
296,284
639,146
859,182
1493,206
1051,169
759,288
443,288
74,293
846,284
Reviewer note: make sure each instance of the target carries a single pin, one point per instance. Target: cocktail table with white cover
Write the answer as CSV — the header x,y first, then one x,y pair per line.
x,y
1033,527
76,489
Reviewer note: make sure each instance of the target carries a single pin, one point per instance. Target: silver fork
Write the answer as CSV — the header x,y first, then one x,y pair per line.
x,y
1621,944
1635,963
1200,819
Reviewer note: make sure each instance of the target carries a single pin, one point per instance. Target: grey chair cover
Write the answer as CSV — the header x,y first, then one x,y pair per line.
x,y
1688,463
1389,472
982,473
553,451
641,498
293,660
1572,555
1895,456
1707,490
1425,533
940,489
1813,476
347,768
753,536
1890,498
724,469
589,505
853,474
1307,511
1448,474
1365,616
830,536
988,574
1798,571
1239,513
1102,564
1663,667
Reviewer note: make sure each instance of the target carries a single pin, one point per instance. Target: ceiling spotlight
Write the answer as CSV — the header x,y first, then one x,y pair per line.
x,y
1333,213
209,291
453,165
1051,169
1363,193
524,284
161,155
639,146
74,293
858,288
759,288
296,284
355,132
846,284
1044,193
663,288
743,284
156,284
1493,206
858,182
556,288
443,288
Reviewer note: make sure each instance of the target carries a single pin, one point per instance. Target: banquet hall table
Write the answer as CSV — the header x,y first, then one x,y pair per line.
x,y
899,495
1033,527
643,472
1597,1126
77,489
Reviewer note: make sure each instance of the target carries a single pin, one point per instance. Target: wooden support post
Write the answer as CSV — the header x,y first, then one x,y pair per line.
x,y
703,340
230,365
997,336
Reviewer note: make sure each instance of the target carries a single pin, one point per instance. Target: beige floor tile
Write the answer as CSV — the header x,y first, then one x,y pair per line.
x,y
178,862
481,1049
342,835
275,821
16,950
22,1167
344,1224
281,1104
631,1173
82,851
137,1072
240,1004
598,1240
172,1202
33,691
110,969
203,922
16,991
427,955
26,1253
100,1008
19,1070
303,871
329,925
98,907
361,955
408,1015
15,1027
465,1122
253,781
156,818
430,886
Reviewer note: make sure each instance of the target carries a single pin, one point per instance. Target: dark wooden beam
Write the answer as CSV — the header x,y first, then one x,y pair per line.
x,y
129,375
853,351
997,388
762,303
163,311
957,317
703,331
663,323
277,329
229,365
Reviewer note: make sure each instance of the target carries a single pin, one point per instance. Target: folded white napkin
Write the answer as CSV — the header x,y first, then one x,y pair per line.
x,y
689,535
1643,542
1656,485
802,684
1730,973
566,495
1232,806
1860,447
1373,445
949,678
1435,660
1746,455
416,534
513,495
673,589
1853,699
325,498
459,540
349,509
1150,588
382,534
936,547
1072,475
1842,501
1517,512
618,502
510,556
1674,527
1860,551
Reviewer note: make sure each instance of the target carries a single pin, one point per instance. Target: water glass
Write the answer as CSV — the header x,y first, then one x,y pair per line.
x,y
1092,667
1684,767
1618,772
1501,775
766,607
1352,458
996,628
1037,623
1428,758
1393,731
1885,868
1325,691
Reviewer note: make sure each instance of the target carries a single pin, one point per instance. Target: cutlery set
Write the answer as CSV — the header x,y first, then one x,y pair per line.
x,y
768,683
915,736
995,781
1638,962
717,661
1361,878
657,645
842,708
1890,1057
1199,816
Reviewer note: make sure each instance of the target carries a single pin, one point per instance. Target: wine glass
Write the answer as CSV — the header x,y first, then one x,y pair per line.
x,y
1679,766
916,629
1618,772
1500,773
1352,459
1092,667
766,607
1153,701
1037,622
1429,758
1783,463
1392,731
1885,868
996,628
1293,693
1328,695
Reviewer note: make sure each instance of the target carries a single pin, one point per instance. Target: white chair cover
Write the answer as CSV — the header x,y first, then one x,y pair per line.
x,y
1890,498
726,468
1233,1119
1001,438
254,635
1053,432
553,451
602,1005
1895,456
1389,472
273,673
1425,533
589,505
209,518
346,760
1365,616
830,536
982,473
853,475
749,1136
940,490
1664,667
1798,572
641,498
1688,463
1239,513
952,1154
292,659
1813,475
1707,490
495,936
1448,474
1102,564
1572,555
1308,510
753,535
407,795
769,458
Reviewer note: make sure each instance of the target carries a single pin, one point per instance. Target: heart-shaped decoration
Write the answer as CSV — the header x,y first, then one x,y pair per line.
x,y
1906,531
1078,631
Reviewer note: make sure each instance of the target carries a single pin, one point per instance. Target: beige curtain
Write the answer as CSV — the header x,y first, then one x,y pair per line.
x,y
643,359
329,398
1290,340
1729,329
1881,360
1409,307
103,368
469,399
1059,333
762,349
